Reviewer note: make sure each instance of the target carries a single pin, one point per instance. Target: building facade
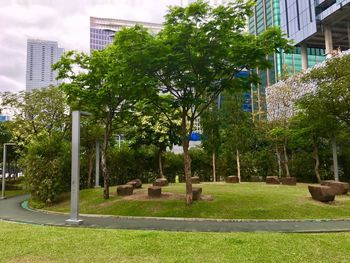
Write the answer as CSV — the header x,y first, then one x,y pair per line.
x,y
268,13
41,55
102,30
320,24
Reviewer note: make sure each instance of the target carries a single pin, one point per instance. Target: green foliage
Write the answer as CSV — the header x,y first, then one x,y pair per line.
x,y
47,167
333,81
40,131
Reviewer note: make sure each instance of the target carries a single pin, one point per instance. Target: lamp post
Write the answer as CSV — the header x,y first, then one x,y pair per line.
x,y
97,164
75,176
4,168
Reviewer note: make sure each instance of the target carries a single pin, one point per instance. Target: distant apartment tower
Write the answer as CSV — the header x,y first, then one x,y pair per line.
x,y
41,55
102,30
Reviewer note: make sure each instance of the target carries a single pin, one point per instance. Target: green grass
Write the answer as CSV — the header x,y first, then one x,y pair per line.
x,y
231,201
10,193
28,243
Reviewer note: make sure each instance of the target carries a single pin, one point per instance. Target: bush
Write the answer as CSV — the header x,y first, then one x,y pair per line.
x,y
174,166
47,168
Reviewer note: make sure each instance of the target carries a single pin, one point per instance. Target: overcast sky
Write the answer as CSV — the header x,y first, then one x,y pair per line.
x,y
64,21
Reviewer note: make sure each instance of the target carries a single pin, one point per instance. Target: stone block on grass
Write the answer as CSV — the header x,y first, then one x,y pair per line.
x,y
136,183
161,182
126,189
196,193
289,180
232,179
272,180
154,191
195,180
339,188
321,193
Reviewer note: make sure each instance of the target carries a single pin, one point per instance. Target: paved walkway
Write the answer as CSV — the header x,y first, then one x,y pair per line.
x,y
11,210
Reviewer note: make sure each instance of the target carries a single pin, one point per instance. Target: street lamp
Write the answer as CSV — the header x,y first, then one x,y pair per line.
x,y
97,165
75,176
4,168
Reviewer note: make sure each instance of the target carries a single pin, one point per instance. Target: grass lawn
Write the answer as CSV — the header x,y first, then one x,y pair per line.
x,y
28,243
231,201
9,193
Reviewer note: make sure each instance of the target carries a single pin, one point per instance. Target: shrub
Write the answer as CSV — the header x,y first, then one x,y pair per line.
x,y
47,168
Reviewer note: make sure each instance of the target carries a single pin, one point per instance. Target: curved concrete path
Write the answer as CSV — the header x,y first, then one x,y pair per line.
x,y
11,210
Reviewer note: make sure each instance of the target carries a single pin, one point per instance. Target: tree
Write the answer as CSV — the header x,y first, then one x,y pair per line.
x,y
40,130
196,56
42,111
333,95
211,141
237,128
152,127
102,87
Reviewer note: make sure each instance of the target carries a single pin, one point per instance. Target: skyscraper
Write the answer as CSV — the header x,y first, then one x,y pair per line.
x,y
317,24
102,30
41,55
267,13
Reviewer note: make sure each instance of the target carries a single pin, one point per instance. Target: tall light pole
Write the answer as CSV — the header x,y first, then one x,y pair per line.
x,y
75,176
97,164
4,168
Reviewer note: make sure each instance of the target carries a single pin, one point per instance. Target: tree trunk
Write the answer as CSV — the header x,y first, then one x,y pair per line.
x,y
278,154
187,160
91,167
335,159
317,161
160,163
238,166
214,166
286,166
105,172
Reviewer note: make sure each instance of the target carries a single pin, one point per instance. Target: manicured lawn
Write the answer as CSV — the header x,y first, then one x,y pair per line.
x,y
10,193
231,201
28,243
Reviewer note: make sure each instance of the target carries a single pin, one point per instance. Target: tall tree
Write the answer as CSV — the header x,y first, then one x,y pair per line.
x,y
102,87
237,128
333,94
211,122
153,127
197,55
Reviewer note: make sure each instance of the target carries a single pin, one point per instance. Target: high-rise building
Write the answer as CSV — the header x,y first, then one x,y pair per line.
x,y
320,24
41,55
313,26
267,13
102,30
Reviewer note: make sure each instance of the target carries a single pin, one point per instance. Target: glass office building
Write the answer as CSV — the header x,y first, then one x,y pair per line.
x,y
267,13
102,30
320,24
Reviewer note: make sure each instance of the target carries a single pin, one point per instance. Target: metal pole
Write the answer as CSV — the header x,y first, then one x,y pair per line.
x,y
3,172
97,170
335,159
74,203
75,172
4,157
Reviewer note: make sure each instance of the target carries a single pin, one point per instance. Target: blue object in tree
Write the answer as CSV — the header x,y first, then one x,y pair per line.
x,y
195,136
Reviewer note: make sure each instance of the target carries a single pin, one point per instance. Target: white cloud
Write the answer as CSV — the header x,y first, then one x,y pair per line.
x,y
64,21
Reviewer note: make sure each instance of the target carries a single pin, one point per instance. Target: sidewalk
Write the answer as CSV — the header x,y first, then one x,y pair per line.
x,y
11,210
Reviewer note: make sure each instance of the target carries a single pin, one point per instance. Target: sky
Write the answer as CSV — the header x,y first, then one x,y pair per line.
x,y
64,21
